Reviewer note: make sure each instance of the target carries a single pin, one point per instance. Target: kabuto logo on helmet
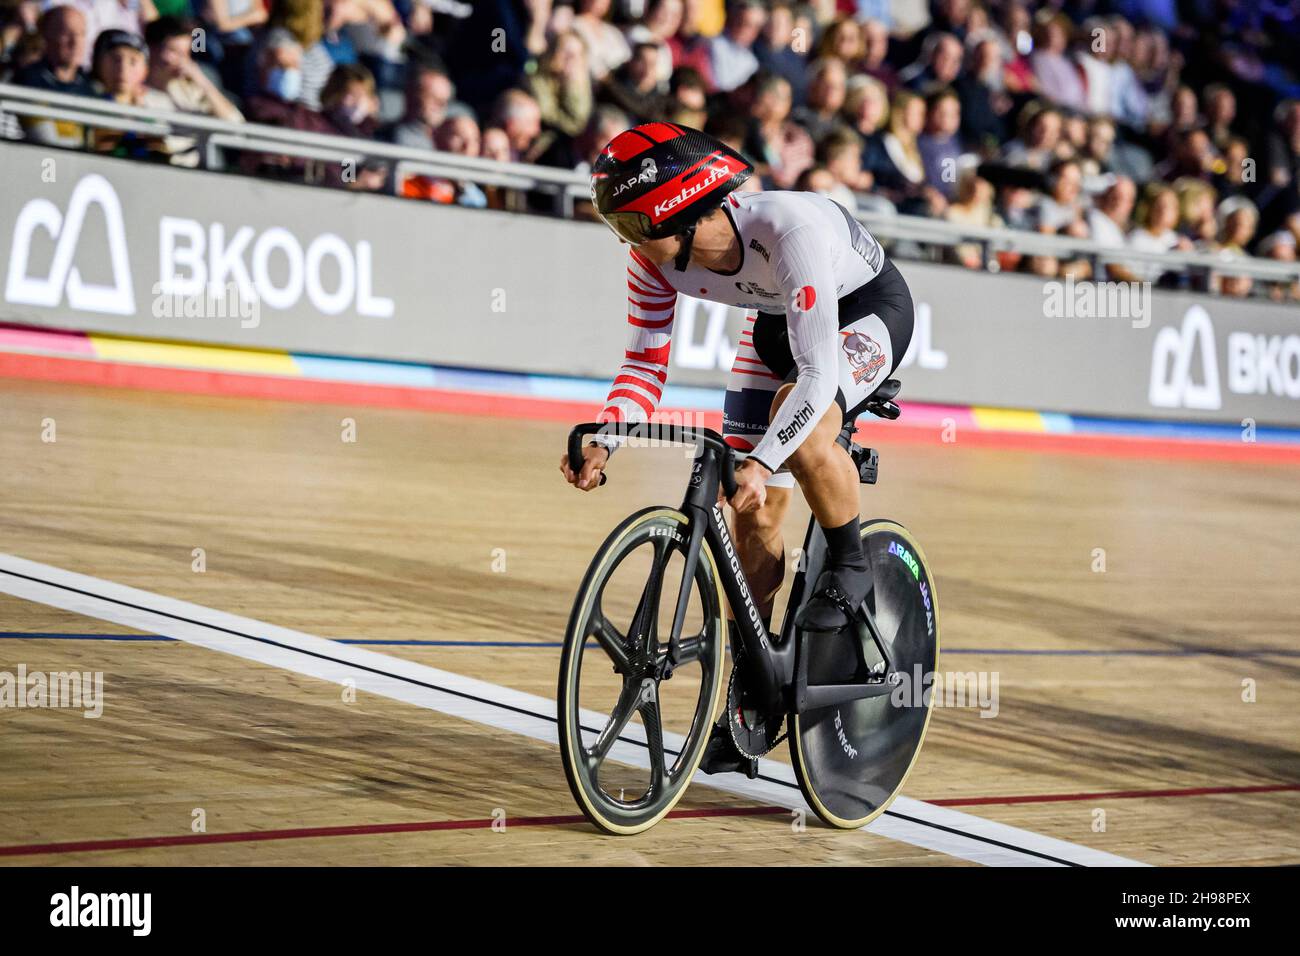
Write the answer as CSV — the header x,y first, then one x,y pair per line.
x,y
721,170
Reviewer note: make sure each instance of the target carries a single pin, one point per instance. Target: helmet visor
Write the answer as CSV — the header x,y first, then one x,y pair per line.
x,y
631,227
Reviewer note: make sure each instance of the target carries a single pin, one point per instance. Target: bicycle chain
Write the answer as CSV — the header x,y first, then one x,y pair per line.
x,y
731,725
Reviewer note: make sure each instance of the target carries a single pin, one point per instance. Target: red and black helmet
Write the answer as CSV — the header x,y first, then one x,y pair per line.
x,y
658,179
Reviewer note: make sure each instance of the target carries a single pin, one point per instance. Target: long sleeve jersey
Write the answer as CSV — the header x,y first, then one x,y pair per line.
x,y
800,252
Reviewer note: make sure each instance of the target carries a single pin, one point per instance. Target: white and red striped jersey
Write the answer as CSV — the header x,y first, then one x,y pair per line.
x,y
800,252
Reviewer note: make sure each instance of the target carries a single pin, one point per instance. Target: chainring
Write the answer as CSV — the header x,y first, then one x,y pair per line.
x,y
753,734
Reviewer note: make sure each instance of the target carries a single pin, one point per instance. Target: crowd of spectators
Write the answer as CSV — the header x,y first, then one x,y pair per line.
x,y
1153,125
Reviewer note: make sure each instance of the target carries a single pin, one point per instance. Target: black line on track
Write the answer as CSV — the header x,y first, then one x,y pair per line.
x,y
483,700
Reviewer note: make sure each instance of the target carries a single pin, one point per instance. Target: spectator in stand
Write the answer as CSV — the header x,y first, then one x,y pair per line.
x,y
606,123
1191,154
1055,71
101,15
1283,153
1196,203
1074,135
775,50
173,70
635,88
939,65
228,36
561,86
429,95
875,55
782,148
897,166
607,48
305,21
18,19
1018,44
841,155
866,107
973,207
121,68
818,179
63,32
1238,219
277,103
1108,224
1096,159
496,145
1130,103
939,145
1092,50
350,101
981,89
1156,229
690,48
826,90
1037,146
950,16
687,99
1220,109
65,42
370,32
1280,246
517,115
663,20
731,54
350,106
1230,172
1063,205
843,41
457,134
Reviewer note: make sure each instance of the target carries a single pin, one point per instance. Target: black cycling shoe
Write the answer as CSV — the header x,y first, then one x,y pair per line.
x,y
839,592
721,755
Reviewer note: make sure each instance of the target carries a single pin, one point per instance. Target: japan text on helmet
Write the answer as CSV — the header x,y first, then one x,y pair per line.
x,y
658,179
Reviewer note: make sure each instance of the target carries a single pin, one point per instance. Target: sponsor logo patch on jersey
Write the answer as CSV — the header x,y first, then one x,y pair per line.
x,y
758,247
865,355
804,299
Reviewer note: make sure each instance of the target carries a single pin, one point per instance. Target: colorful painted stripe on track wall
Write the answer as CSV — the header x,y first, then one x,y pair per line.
x,y
87,358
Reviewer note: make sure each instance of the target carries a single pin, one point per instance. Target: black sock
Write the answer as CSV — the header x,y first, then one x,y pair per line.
x,y
844,545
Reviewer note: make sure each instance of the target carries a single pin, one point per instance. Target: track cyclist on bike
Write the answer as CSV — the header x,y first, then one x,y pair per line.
x,y
834,320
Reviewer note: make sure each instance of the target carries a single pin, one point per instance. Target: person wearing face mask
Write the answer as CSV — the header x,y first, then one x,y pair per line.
x,y
279,83
349,105
348,101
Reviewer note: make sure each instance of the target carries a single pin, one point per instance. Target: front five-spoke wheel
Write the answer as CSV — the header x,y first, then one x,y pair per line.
x,y
633,720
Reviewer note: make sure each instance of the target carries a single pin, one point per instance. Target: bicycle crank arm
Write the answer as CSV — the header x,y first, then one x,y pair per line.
x,y
828,695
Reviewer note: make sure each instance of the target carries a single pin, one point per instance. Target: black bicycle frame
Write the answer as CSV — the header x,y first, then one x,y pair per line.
x,y
776,677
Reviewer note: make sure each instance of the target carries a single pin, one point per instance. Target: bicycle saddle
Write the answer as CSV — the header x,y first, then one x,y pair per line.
x,y
881,402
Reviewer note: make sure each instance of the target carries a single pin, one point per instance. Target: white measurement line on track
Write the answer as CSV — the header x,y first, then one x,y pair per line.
x,y
914,822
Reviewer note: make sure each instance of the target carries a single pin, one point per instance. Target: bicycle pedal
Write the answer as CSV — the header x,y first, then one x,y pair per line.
x,y
868,466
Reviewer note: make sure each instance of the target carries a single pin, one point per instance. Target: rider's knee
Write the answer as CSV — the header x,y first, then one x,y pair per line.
x,y
809,457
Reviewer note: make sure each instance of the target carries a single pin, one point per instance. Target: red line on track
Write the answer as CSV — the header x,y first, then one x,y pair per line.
x,y
373,829
283,388
307,833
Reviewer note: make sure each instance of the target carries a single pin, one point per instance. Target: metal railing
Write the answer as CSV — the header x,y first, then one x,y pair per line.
x,y
215,138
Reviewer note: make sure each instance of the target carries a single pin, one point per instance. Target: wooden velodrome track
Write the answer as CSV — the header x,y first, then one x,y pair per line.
x,y
452,542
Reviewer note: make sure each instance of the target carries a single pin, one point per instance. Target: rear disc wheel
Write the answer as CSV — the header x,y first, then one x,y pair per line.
x,y
852,759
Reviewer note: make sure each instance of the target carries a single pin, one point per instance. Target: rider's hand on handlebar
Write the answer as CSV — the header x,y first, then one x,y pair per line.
x,y
751,486
594,458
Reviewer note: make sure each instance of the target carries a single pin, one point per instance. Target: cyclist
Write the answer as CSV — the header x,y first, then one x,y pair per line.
x,y
834,319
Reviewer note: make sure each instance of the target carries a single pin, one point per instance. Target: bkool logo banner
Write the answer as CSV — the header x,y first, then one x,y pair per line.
x,y
270,267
